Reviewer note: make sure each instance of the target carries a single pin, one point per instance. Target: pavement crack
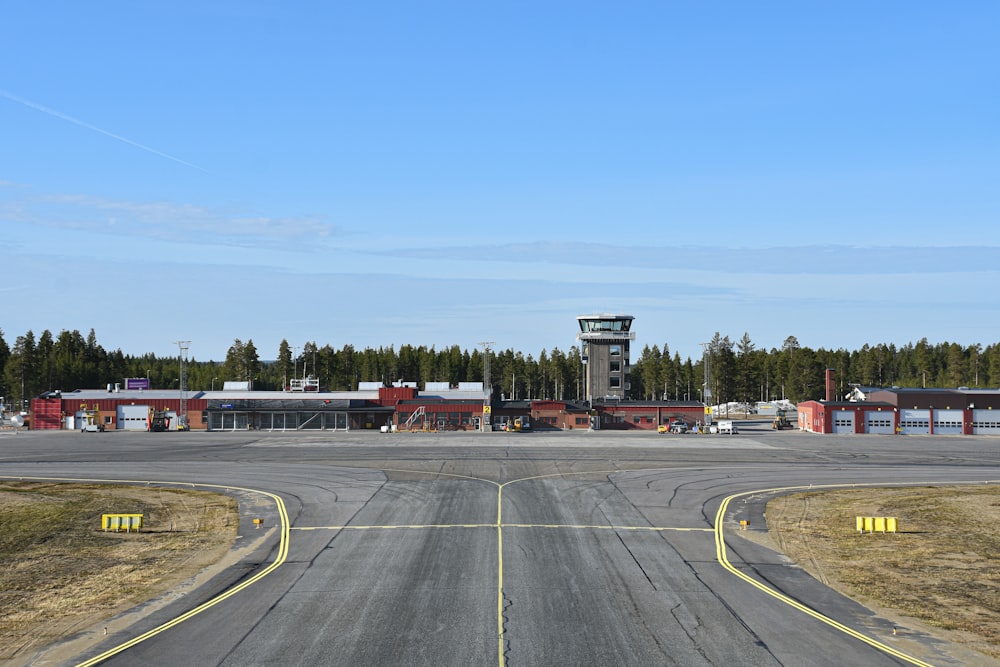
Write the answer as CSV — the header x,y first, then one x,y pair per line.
x,y
504,638
636,561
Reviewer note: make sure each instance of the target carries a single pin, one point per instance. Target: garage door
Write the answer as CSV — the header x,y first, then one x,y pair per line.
x,y
948,422
986,422
133,417
914,422
880,422
843,422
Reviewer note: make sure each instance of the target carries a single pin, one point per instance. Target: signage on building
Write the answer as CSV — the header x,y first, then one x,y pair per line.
x,y
136,384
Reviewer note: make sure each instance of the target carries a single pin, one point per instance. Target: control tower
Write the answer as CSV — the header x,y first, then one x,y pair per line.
x,y
605,340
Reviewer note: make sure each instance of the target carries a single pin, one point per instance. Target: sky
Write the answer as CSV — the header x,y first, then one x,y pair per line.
x,y
450,172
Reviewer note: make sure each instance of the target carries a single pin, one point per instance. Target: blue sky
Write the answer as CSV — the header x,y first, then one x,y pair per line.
x,y
439,173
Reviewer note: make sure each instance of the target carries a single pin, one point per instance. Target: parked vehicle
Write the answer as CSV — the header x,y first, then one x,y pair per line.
x,y
780,421
726,426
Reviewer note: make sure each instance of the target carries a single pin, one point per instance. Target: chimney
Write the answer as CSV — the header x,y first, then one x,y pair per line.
x,y
831,386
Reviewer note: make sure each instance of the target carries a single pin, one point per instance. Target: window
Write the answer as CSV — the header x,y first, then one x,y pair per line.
x,y
615,350
615,381
616,367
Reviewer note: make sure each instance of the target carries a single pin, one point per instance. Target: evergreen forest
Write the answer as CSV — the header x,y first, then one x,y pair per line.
x,y
739,371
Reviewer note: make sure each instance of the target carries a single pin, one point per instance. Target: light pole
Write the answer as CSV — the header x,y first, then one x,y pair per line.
x,y
706,394
213,383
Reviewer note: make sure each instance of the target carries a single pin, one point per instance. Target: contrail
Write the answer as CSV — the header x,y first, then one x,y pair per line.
x,y
75,121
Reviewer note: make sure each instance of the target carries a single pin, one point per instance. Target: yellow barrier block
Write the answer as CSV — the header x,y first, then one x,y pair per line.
x,y
880,524
119,522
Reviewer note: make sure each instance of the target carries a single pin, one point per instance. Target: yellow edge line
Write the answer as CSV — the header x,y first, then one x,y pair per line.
x,y
278,561
721,555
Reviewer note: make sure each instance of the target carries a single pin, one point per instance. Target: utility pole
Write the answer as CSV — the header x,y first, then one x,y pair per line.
x,y
182,420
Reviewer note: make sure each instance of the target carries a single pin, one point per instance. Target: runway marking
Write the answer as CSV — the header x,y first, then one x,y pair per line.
x,y
417,526
420,526
225,595
285,530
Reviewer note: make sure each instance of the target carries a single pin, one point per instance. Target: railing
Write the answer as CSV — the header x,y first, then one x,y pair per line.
x,y
419,412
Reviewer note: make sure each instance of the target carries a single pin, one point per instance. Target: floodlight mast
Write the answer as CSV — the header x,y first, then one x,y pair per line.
x,y
707,391
487,386
182,420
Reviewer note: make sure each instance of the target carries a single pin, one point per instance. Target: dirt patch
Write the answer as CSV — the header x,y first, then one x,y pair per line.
x,y
941,567
62,573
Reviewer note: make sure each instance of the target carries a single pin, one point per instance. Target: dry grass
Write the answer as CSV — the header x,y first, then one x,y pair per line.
x,y
61,572
941,568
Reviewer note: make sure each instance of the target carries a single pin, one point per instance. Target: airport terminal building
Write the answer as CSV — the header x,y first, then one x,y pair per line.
x,y
380,408
605,340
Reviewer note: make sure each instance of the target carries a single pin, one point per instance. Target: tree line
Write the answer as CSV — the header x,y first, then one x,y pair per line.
x,y
738,371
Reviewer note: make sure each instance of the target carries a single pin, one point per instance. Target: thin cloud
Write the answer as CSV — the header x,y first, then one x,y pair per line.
x,y
797,260
76,121
168,221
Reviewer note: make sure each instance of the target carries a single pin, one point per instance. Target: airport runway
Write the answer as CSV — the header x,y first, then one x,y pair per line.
x,y
506,549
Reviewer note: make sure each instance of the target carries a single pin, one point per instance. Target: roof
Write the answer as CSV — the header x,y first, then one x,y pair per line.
x,y
296,404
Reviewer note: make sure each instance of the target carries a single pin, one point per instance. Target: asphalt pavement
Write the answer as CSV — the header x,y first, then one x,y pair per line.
x,y
504,548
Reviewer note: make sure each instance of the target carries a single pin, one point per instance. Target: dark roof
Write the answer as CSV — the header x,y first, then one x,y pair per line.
x,y
667,405
295,404
854,404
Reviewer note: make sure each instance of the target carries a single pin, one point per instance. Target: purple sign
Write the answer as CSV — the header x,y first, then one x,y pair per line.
x,y
136,384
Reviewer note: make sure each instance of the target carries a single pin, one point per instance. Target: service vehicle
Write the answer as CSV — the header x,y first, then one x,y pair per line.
x,y
726,426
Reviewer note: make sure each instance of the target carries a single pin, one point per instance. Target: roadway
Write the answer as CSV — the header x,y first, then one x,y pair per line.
x,y
504,549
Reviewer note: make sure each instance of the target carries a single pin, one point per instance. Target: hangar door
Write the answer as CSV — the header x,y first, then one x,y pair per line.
x,y
986,422
880,422
843,421
914,422
948,422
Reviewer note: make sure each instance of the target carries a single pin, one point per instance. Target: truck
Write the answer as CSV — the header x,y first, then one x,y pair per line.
x,y
726,426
